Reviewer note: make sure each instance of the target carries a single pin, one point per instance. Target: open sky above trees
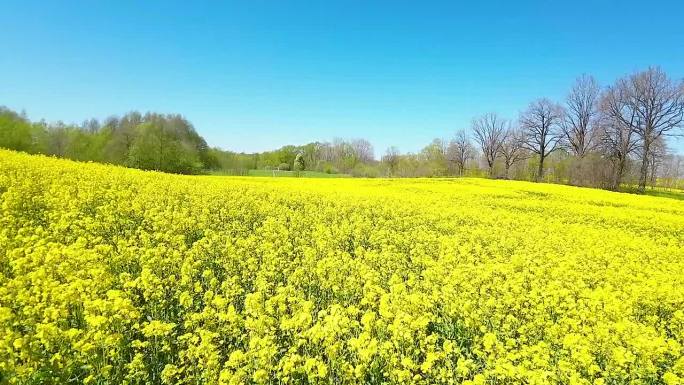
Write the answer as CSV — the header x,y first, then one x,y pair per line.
x,y
254,76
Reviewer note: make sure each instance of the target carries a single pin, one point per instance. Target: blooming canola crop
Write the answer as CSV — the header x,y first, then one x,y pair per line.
x,y
117,276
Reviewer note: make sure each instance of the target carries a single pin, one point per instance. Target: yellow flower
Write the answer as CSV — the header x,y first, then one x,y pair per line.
x,y
115,275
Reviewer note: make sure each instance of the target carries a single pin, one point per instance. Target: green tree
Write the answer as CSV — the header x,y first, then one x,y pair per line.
x,y
299,162
15,131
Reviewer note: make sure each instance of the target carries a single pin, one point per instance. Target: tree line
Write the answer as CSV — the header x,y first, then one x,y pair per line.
x,y
598,136
150,142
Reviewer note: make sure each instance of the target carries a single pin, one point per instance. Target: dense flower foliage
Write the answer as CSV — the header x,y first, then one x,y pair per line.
x,y
117,276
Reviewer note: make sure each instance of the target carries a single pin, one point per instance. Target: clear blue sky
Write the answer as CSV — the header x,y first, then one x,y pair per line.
x,y
255,75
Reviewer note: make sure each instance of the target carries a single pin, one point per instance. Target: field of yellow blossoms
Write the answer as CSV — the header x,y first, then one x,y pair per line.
x,y
117,276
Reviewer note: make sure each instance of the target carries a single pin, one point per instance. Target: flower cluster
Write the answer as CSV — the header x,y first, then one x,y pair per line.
x,y
117,276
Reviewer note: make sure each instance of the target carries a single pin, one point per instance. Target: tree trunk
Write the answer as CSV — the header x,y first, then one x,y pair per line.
x,y
618,174
508,166
540,172
643,174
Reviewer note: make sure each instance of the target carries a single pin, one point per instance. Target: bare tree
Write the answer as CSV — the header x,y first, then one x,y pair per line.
x,y
391,158
659,104
346,155
91,125
580,116
512,149
460,150
362,149
618,129
489,131
540,125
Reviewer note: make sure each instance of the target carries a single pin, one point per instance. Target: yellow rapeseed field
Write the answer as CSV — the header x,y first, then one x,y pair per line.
x,y
116,276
